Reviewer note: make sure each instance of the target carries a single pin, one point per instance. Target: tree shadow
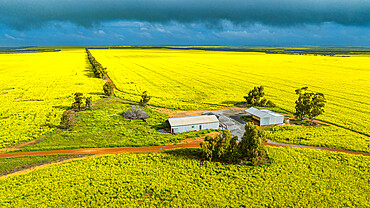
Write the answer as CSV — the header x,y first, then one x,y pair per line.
x,y
235,103
196,153
89,70
100,94
228,102
63,107
191,153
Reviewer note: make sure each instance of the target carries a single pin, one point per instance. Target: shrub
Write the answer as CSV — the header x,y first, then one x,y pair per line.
x,y
88,101
144,99
135,113
108,89
78,100
68,119
270,103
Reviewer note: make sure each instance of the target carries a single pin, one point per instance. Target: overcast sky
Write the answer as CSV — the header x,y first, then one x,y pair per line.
x,y
185,22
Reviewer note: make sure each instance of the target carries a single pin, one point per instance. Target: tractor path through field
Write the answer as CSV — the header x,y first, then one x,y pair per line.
x,y
329,124
278,144
189,143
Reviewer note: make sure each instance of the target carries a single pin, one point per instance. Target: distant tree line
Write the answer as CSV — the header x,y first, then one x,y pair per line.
x,y
98,69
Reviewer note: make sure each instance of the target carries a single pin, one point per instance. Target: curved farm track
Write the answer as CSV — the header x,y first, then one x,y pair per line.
x,y
189,143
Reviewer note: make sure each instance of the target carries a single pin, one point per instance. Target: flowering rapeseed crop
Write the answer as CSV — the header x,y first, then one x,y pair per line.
x,y
195,79
36,88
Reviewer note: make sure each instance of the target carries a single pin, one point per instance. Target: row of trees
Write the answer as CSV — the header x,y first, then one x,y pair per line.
x,y
99,72
108,87
225,148
98,69
255,98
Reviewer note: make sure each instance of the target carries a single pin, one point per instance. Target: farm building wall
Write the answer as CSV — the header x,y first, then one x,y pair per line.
x,y
194,127
271,120
265,121
276,120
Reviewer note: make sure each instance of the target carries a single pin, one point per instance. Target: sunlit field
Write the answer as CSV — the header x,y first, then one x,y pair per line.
x,y
195,79
295,178
37,87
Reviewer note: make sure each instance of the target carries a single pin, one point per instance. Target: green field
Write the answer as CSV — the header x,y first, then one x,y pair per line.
x,y
105,126
295,178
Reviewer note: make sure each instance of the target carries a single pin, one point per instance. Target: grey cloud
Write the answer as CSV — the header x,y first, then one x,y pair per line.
x,y
26,14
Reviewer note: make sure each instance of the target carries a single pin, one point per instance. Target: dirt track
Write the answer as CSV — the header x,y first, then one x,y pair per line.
x,y
189,144
113,150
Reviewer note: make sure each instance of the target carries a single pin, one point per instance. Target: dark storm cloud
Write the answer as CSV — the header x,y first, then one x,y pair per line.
x,y
26,14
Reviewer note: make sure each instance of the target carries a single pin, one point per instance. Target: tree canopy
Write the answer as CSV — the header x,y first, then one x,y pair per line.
x,y
309,104
255,97
108,89
225,148
144,99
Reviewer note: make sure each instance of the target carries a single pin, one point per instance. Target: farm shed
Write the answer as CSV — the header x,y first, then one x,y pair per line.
x,y
193,123
266,117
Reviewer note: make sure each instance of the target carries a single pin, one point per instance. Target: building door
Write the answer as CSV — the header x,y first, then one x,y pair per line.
x,y
200,127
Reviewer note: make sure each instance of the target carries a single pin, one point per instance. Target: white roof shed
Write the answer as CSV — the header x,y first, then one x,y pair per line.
x,y
193,123
266,117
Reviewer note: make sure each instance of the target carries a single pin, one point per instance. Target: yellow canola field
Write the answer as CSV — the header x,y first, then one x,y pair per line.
x,y
36,88
194,79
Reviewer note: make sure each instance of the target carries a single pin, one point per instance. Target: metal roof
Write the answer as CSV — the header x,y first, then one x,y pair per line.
x,y
189,120
262,113
271,112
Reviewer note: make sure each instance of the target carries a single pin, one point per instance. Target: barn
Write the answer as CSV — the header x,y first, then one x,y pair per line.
x,y
266,117
193,123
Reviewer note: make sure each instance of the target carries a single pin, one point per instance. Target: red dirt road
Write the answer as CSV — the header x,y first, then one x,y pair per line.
x,y
118,150
113,150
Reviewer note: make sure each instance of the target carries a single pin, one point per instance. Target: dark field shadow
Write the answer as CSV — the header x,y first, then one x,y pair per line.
x,y
63,107
96,93
88,69
191,153
230,102
196,153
